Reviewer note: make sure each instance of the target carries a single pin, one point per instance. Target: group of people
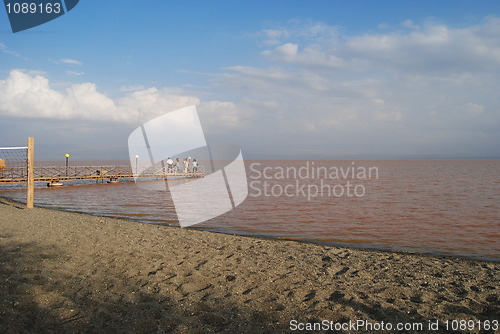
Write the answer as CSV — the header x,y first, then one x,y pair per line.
x,y
186,166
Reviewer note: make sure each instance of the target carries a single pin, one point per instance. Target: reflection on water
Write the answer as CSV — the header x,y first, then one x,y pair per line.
x,y
448,207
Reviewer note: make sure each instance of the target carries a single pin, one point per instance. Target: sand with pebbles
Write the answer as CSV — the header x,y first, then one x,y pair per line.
x,y
69,272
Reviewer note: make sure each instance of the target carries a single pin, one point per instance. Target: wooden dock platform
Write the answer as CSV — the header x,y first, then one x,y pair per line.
x,y
61,173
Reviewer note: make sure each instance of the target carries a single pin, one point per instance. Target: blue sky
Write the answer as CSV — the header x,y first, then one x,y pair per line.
x,y
281,79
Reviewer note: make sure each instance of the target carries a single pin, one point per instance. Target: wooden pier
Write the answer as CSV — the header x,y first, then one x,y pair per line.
x,y
55,174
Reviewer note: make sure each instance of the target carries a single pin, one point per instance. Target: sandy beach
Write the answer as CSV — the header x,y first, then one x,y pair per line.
x,y
70,272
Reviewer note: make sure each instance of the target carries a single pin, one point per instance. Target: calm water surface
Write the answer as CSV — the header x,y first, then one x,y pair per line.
x,y
443,207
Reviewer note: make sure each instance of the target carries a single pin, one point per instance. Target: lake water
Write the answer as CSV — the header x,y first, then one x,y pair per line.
x,y
440,207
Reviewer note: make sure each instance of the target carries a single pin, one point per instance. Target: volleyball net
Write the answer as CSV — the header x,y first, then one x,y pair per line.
x,y
17,163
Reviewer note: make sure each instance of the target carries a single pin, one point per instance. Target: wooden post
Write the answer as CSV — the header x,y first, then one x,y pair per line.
x,y
30,194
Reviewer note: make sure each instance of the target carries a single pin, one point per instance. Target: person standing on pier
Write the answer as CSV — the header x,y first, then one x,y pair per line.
x,y
170,164
178,165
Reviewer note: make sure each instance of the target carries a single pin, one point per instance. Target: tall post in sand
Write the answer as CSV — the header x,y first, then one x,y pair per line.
x,y
30,194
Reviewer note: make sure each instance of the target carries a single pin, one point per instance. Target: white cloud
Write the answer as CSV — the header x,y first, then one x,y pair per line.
x,y
299,30
132,88
298,102
311,56
409,24
286,51
148,103
69,61
217,114
22,95
6,50
475,108
75,73
31,96
31,72
273,36
401,91
412,88
312,30
431,47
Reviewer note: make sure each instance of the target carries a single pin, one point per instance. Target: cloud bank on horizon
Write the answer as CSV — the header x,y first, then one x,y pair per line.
x,y
416,88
